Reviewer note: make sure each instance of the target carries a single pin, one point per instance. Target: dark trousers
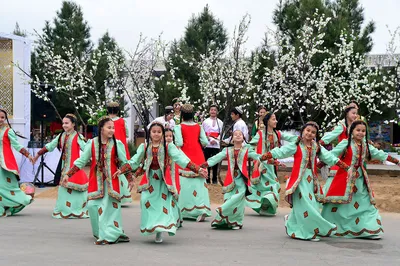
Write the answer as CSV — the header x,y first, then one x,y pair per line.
x,y
208,153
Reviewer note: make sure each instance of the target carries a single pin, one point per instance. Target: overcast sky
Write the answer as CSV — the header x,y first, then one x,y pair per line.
x,y
125,19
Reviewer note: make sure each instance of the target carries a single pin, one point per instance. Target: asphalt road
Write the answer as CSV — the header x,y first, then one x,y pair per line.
x,y
34,238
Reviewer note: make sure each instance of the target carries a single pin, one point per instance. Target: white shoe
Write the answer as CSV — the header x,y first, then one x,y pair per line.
x,y
375,237
159,238
286,217
201,217
235,227
315,239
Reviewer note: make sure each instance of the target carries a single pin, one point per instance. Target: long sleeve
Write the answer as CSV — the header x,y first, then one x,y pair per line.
x,y
254,140
177,156
49,147
216,158
284,151
340,148
253,155
288,137
81,142
126,129
122,159
327,157
377,154
332,135
203,137
15,144
136,160
178,136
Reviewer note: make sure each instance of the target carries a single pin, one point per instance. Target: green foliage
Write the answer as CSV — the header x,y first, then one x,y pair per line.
x,y
17,31
204,33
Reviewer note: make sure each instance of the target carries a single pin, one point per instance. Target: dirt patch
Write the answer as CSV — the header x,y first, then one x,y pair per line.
x,y
386,189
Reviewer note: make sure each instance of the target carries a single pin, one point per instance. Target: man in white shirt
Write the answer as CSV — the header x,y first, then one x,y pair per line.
x,y
239,124
212,127
167,119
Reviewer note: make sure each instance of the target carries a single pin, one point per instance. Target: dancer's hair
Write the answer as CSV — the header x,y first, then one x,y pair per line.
x,y
265,121
345,112
148,138
170,130
315,125
100,125
352,127
9,125
73,120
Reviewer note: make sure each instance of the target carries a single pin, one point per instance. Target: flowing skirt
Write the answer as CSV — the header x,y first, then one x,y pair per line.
x,y
12,198
126,196
264,198
106,219
70,204
231,212
359,218
194,199
305,220
160,212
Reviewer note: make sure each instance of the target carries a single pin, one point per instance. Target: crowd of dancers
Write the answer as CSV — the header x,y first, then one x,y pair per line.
x,y
172,164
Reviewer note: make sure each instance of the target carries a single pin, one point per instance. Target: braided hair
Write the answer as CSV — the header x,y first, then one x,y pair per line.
x,y
265,121
352,127
74,121
315,125
8,122
148,139
100,125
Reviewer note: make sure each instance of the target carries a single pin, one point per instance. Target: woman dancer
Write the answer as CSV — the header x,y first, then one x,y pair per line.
x,y
104,194
265,190
158,194
231,213
12,199
303,191
350,199
121,134
72,196
259,123
190,137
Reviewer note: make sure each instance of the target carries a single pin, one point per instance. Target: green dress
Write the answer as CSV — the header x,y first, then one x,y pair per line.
x,y
158,201
12,199
194,198
230,214
303,191
265,191
72,199
104,198
350,204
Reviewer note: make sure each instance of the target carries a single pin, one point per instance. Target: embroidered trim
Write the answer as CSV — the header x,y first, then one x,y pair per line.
x,y
392,160
42,151
73,171
266,156
193,167
343,165
226,218
360,232
197,208
69,215
129,177
126,168
24,152
158,226
204,165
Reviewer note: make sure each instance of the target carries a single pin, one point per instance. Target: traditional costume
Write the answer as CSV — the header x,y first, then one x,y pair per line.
x,y
72,197
104,191
12,199
213,129
264,198
350,203
303,191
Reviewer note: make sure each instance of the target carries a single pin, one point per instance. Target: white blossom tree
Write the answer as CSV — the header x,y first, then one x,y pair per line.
x,y
393,50
140,78
309,82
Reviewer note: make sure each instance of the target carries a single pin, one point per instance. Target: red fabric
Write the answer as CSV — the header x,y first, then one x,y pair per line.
x,y
339,182
120,134
80,177
177,178
341,137
54,126
243,169
191,143
93,175
9,159
298,156
213,134
228,179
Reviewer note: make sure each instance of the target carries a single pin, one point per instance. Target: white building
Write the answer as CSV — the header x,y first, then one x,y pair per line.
x,y
15,92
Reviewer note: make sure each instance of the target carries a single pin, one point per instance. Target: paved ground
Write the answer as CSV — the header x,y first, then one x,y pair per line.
x,y
34,238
